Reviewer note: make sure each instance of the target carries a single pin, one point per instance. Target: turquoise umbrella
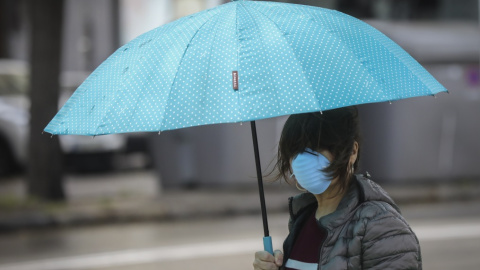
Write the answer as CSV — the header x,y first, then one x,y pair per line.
x,y
238,62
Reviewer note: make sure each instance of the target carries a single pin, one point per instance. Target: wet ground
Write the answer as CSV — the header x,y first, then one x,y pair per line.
x,y
449,234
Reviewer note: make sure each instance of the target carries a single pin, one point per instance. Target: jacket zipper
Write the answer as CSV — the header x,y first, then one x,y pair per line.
x,y
321,248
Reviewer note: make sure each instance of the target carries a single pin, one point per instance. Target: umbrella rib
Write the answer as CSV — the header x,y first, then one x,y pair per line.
x,y
211,49
261,38
256,27
178,66
296,58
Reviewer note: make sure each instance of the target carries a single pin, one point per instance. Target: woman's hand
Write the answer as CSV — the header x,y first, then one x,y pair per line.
x,y
266,261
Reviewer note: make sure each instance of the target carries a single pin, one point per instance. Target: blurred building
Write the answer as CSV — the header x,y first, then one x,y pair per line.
x,y
137,17
93,29
426,138
432,10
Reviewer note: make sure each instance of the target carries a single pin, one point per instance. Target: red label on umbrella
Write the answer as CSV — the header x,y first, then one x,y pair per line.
x,y
235,80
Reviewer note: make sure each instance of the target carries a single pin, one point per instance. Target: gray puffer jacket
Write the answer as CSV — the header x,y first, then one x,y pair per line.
x,y
366,231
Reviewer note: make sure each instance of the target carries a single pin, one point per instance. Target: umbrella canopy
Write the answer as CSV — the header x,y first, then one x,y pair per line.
x,y
241,61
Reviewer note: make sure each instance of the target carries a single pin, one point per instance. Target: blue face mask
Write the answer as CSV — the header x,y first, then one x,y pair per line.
x,y
307,168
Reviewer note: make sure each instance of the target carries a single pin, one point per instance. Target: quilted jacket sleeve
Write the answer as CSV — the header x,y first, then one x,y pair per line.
x,y
388,241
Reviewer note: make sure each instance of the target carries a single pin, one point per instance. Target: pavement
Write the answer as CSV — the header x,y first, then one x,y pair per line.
x,y
135,196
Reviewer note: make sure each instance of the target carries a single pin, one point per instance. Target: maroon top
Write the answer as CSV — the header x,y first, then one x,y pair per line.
x,y
306,249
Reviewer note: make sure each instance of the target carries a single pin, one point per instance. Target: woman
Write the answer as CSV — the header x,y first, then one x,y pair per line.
x,y
342,221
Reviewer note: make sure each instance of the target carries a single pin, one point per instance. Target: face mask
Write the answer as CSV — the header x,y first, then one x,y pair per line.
x,y
307,168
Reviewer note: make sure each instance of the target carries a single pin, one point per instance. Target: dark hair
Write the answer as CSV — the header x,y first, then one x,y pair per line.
x,y
334,130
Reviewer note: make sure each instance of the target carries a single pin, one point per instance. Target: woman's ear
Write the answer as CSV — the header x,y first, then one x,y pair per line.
x,y
354,155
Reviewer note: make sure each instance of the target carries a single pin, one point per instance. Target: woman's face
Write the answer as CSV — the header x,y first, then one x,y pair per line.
x,y
328,155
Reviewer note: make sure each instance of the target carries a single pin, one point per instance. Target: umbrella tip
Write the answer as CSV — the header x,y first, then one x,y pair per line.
x,y
51,134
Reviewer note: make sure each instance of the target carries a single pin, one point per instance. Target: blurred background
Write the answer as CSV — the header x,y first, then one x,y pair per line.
x,y
135,191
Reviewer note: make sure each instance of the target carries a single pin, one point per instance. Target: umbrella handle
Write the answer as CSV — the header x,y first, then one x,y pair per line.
x,y
267,244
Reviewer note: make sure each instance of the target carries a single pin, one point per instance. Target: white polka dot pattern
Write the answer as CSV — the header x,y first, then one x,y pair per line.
x,y
290,59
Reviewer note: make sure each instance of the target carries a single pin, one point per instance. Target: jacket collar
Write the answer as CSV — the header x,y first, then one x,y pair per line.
x,y
360,190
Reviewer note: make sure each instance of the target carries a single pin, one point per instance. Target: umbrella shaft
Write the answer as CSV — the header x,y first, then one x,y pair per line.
x,y
259,178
